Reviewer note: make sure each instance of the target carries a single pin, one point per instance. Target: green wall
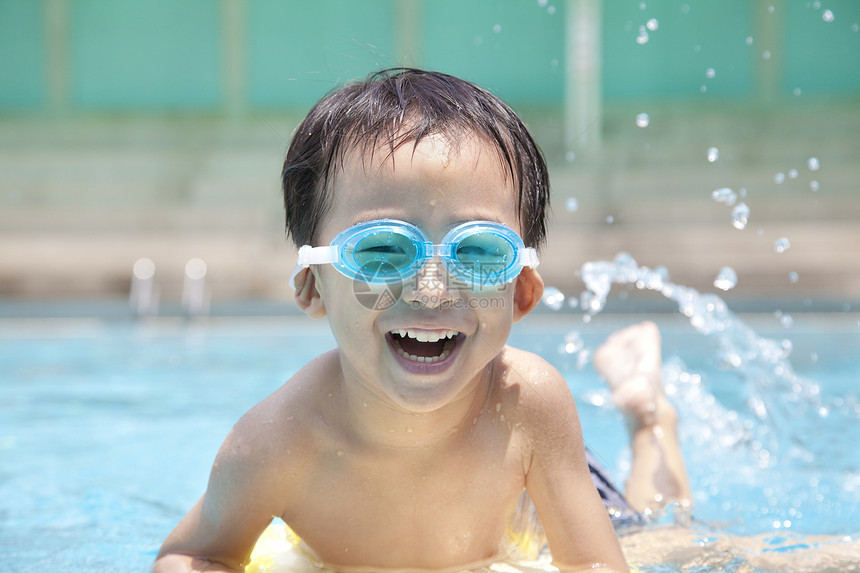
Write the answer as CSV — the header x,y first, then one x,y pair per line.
x,y
515,49
686,41
235,56
157,54
23,61
300,49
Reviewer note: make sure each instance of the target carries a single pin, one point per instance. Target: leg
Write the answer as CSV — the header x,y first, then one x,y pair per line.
x,y
629,361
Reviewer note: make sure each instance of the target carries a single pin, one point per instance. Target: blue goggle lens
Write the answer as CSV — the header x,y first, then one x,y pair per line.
x,y
484,254
384,255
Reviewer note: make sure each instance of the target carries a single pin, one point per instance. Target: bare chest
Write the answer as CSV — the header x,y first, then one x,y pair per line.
x,y
409,509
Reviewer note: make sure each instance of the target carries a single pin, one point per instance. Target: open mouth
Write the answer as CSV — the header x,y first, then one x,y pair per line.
x,y
424,346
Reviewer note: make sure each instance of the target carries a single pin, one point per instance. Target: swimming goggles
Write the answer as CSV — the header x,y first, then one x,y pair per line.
x,y
478,253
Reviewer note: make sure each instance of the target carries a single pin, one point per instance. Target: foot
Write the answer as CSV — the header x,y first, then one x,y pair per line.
x,y
629,361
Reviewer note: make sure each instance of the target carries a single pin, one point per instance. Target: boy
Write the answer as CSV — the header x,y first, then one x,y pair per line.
x,y
409,446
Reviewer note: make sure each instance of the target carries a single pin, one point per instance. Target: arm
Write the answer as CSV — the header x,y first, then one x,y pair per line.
x,y
577,526
219,532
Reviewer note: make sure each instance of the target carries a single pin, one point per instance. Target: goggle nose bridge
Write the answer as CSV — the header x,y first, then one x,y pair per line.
x,y
428,251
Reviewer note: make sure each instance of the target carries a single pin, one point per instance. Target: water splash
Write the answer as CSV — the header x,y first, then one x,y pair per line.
x,y
553,298
713,154
740,216
643,120
725,196
781,245
780,399
727,279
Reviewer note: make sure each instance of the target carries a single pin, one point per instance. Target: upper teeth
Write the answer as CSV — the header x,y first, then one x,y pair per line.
x,y
424,336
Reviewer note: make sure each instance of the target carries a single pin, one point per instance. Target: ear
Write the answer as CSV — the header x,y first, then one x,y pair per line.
x,y
308,297
528,292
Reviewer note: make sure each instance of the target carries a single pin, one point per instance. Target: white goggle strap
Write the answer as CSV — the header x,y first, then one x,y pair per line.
x,y
309,255
529,258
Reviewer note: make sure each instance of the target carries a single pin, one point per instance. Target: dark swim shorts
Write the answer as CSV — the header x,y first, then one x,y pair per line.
x,y
620,512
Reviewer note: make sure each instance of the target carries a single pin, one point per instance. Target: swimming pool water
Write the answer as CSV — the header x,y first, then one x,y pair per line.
x,y
108,428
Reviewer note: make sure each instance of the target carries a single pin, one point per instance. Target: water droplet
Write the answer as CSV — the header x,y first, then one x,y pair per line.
x,y
642,5
642,38
855,27
779,178
749,40
725,196
550,10
642,120
740,216
339,453
497,28
713,154
765,55
553,298
793,277
813,164
572,204
542,3
797,92
610,219
710,73
572,343
570,156
786,321
813,186
827,16
726,279
781,245
652,24
792,174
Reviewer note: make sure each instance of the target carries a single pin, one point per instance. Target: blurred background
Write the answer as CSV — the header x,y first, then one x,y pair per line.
x,y
706,136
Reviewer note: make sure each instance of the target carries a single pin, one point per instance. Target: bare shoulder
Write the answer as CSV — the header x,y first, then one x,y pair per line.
x,y
545,408
536,380
278,431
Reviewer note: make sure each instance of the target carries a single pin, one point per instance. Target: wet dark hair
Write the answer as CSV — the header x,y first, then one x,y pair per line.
x,y
398,106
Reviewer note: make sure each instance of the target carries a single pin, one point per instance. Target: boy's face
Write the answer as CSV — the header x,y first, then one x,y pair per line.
x,y
422,343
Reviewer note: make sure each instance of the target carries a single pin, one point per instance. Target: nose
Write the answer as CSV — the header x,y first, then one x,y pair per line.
x,y
430,287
